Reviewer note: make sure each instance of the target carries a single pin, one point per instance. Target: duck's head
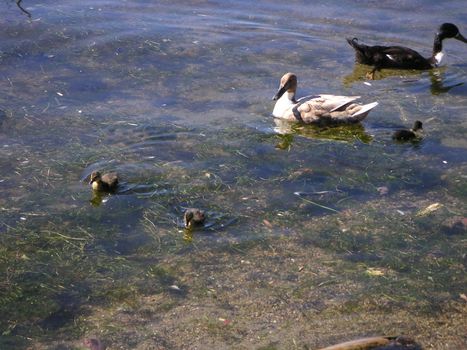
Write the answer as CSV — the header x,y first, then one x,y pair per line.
x,y
95,176
193,217
417,125
288,84
449,30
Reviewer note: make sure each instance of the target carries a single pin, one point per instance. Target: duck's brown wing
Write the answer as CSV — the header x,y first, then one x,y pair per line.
x,y
319,109
335,103
111,179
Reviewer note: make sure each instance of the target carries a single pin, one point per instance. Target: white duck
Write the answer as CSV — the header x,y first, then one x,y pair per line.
x,y
317,109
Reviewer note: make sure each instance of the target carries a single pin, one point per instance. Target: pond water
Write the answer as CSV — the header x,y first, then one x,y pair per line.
x,y
313,236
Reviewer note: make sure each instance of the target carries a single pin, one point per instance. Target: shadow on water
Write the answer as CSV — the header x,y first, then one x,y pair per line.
x,y
439,82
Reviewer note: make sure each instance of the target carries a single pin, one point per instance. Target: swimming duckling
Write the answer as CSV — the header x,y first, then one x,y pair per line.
x,y
193,217
401,57
317,109
103,183
407,135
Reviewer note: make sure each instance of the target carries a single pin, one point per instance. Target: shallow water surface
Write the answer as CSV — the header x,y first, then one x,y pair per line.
x,y
314,235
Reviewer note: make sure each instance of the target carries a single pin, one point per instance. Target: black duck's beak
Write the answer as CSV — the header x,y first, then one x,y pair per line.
x,y
460,38
281,91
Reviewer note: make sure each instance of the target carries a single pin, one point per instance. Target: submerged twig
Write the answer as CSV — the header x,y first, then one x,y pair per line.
x,y
65,236
319,205
67,239
18,3
154,230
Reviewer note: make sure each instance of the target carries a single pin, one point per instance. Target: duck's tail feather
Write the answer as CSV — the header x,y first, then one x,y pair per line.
x,y
360,49
363,112
354,43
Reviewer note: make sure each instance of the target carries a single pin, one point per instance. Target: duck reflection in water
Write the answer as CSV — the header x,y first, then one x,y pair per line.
x,y
344,133
97,198
360,71
437,86
437,77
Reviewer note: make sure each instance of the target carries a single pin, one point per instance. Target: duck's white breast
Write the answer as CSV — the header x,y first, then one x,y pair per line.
x,y
282,105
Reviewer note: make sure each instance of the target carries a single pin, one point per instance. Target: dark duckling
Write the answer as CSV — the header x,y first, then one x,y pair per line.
x,y
407,135
401,57
103,183
193,217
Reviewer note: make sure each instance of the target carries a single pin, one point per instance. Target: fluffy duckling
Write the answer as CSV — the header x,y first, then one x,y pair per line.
x,y
103,183
317,109
407,135
193,217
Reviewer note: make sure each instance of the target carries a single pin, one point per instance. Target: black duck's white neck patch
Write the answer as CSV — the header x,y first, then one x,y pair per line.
x,y
438,58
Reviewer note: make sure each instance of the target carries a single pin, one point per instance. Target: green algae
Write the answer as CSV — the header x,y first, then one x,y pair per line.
x,y
99,257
